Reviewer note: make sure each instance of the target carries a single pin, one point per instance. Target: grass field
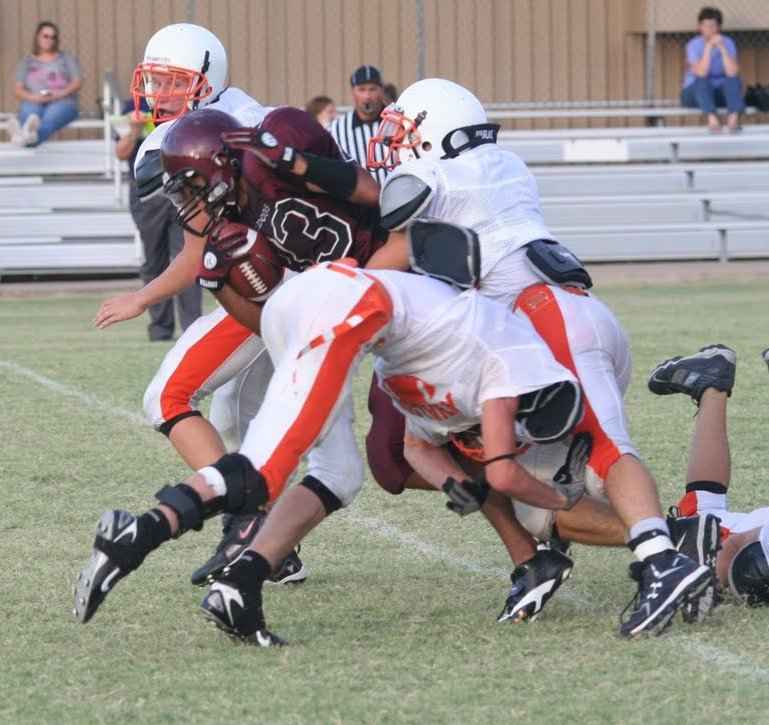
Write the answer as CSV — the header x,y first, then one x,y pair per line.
x,y
397,621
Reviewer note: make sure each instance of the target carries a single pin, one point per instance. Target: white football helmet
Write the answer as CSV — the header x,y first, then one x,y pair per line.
x,y
184,67
432,118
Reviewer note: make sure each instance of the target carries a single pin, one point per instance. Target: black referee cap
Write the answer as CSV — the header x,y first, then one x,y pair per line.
x,y
365,74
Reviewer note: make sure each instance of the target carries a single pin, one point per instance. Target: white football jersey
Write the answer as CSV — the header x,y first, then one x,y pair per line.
x,y
443,355
488,190
232,100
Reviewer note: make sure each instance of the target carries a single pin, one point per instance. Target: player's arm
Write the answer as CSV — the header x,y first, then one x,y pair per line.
x,y
505,474
434,463
179,275
326,174
246,312
393,254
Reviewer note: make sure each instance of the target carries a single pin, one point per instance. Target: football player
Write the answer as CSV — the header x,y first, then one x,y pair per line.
x,y
446,165
702,516
317,326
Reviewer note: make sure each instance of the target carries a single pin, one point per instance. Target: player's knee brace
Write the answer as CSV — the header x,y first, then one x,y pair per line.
x,y
243,490
328,498
549,414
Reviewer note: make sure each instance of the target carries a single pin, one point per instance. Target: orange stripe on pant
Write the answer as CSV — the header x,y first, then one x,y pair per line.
x,y
375,307
539,304
199,363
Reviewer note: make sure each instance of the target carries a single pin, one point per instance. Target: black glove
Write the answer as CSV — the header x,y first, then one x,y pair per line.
x,y
467,497
569,479
263,145
227,243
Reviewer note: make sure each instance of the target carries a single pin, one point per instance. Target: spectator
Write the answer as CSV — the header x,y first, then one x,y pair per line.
x,y
711,78
162,239
46,83
390,93
322,109
353,130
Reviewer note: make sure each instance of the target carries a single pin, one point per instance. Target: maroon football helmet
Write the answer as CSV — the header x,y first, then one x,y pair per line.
x,y
201,173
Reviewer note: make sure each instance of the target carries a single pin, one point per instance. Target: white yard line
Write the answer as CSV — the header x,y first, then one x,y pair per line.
x,y
91,400
703,651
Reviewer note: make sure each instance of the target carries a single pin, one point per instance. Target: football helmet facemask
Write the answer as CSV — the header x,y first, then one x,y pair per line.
x,y
184,68
432,118
201,174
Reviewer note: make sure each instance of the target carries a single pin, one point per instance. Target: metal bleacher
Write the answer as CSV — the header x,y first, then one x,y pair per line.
x,y
618,194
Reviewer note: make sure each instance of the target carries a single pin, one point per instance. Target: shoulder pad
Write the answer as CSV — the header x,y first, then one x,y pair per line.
x,y
149,174
403,198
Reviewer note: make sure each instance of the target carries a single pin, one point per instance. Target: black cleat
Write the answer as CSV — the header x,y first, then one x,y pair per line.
x,y
290,570
236,612
533,583
713,366
238,534
665,581
117,550
699,538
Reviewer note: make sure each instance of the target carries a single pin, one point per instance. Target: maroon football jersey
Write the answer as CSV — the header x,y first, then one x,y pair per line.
x,y
306,228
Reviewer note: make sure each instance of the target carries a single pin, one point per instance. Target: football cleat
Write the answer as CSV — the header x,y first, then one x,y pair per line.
x,y
117,551
239,615
713,366
665,581
238,533
533,583
290,570
699,538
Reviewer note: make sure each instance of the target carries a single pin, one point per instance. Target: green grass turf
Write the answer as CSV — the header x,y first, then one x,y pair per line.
x,y
397,621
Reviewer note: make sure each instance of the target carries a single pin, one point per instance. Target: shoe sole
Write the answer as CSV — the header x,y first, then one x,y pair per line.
x,y
703,353
89,594
687,589
697,608
260,638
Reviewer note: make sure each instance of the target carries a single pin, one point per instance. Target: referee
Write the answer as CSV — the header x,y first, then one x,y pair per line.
x,y
353,130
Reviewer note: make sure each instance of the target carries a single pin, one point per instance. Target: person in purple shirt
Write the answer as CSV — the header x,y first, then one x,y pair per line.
x,y
712,78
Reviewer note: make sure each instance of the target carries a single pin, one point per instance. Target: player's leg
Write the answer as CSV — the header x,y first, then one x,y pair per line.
x,y
309,401
210,353
588,339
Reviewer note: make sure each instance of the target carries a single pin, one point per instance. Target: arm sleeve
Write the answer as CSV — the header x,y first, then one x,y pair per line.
x,y
73,67
731,47
693,51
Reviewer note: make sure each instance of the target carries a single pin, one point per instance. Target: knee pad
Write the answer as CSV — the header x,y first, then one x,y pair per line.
x,y
549,414
749,575
246,489
328,498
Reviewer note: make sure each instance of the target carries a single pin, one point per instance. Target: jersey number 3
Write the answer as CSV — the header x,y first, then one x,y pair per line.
x,y
307,235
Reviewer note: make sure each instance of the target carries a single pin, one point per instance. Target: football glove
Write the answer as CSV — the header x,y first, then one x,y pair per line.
x,y
263,145
227,243
569,479
466,497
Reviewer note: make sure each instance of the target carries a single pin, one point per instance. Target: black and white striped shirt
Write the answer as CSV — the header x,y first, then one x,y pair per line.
x,y
353,136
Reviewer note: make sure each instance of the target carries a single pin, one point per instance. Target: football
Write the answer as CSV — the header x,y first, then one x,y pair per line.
x,y
259,272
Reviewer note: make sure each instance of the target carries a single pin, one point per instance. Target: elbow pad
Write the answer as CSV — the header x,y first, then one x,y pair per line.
x,y
336,177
